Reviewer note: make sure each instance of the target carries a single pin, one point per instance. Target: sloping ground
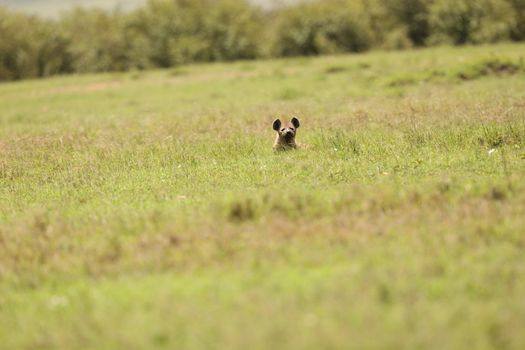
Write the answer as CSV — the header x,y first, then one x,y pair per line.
x,y
147,210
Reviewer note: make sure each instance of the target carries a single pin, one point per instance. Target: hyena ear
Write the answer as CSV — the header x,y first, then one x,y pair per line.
x,y
276,124
296,122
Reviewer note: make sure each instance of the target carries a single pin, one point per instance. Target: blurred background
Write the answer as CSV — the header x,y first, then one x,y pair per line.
x,y
52,8
46,37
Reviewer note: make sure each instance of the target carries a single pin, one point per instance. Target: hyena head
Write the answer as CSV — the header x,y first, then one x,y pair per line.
x,y
286,132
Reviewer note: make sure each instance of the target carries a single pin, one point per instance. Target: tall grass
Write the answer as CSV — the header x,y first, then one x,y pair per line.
x,y
149,211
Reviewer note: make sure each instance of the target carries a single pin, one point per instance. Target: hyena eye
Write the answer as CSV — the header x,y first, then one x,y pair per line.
x,y
282,129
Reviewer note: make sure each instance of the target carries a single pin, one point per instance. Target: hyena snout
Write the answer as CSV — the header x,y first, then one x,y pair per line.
x,y
288,133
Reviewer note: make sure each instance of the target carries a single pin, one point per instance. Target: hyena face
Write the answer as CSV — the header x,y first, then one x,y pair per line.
x,y
286,133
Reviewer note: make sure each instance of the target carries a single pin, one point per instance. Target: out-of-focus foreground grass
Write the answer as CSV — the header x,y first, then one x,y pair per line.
x,y
147,209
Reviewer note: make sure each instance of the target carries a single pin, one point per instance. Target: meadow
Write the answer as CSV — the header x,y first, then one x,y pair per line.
x,y
147,210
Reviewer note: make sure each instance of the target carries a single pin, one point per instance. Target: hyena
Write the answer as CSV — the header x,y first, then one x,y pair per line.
x,y
286,132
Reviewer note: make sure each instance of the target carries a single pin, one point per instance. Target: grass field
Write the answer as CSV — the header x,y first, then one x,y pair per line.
x,y
147,209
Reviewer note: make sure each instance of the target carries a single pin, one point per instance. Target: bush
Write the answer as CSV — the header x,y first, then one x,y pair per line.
x,y
181,31
233,30
322,27
16,48
96,40
518,28
54,54
471,21
166,33
411,16
31,47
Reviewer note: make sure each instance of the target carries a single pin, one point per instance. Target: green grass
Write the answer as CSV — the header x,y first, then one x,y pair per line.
x,y
147,209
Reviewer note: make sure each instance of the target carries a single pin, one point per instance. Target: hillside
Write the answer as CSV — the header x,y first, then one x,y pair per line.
x,y
147,210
